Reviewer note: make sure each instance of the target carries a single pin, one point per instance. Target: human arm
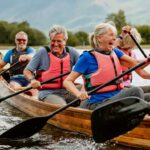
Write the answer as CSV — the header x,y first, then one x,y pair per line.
x,y
2,64
131,62
6,59
70,86
39,62
27,57
29,75
80,68
24,58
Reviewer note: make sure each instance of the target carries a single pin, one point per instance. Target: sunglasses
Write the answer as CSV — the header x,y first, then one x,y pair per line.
x,y
19,40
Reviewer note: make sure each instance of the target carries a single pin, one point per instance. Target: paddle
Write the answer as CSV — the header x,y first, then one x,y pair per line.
x,y
34,125
137,44
9,68
29,88
117,117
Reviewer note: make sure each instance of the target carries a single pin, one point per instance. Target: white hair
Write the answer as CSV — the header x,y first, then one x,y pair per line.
x,y
20,33
57,29
100,29
127,41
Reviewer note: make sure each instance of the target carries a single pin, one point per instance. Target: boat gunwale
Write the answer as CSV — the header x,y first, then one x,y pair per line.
x,y
117,140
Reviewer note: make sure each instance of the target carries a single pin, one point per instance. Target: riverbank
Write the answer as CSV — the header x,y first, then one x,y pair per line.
x,y
89,47
5,47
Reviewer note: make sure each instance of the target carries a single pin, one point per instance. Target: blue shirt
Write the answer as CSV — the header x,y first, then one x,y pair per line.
x,y
87,64
8,56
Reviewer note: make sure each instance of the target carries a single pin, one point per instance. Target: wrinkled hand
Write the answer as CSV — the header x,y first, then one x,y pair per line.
x,y
23,58
83,95
35,83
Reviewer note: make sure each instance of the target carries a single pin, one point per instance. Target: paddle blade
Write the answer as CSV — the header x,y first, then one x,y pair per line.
x,y
25,129
114,118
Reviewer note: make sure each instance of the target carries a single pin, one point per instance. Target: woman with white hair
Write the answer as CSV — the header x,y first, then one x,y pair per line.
x,y
125,43
100,65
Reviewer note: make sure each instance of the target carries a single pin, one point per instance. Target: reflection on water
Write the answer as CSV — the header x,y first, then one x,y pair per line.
x,y
50,137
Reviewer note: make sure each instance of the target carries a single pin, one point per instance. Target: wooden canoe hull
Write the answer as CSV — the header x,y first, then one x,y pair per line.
x,y
138,137
74,119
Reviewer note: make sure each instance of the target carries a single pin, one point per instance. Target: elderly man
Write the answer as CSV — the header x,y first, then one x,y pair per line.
x,y
20,56
51,61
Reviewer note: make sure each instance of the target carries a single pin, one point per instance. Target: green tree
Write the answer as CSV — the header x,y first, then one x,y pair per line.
x,y
118,18
72,39
4,31
36,37
9,30
144,30
24,24
82,38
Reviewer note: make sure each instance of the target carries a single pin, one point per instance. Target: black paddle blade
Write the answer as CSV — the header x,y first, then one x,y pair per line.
x,y
114,118
25,129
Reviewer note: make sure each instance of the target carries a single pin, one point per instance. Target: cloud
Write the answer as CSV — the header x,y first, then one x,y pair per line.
x,y
74,14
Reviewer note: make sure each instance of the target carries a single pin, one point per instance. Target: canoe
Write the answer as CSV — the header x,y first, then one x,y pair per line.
x,y
139,137
74,119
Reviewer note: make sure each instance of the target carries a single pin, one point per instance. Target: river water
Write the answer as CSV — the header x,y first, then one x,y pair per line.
x,y
52,138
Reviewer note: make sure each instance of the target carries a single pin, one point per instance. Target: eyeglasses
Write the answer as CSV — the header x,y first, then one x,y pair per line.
x,y
19,40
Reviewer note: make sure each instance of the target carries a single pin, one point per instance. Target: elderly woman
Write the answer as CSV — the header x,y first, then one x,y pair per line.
x,y
103,63
125,43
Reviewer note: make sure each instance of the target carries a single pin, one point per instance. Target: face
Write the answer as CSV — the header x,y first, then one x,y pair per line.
x,y
107,40
118,42
21,41
123,44
57,44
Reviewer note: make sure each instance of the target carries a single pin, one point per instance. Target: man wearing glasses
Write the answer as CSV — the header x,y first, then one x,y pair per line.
x,y
51,61
18,57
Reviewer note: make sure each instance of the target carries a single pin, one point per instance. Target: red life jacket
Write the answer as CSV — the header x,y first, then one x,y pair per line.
x,y
130,53
108,68
57,66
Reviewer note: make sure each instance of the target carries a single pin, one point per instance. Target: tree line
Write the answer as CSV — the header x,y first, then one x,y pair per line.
x,y
120,20
36,37
9,30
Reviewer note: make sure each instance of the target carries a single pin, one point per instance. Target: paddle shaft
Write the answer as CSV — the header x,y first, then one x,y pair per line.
x,y
29,88
9,68
98,88
137,44
34,125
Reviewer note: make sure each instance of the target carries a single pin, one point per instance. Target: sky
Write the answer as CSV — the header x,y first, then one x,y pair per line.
x,y
75,15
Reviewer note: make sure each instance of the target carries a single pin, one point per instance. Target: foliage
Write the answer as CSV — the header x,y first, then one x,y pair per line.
x,y
4,30
72,39
80,38
145,33
9,30
118,18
